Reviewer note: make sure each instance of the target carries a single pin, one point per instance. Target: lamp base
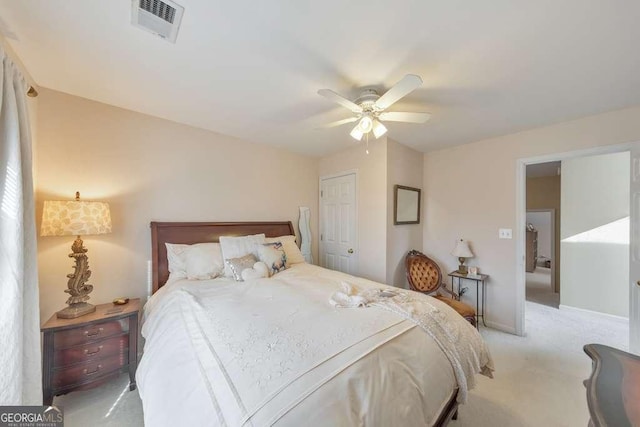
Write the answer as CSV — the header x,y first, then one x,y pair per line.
x,y
462,269
76,310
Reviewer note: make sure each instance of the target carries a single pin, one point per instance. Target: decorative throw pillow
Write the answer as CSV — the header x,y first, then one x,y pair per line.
x,y
236,247
258,271
238,265
203,261
294,256
274,256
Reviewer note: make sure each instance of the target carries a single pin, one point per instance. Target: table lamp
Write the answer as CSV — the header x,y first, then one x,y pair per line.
x,y
76,218
462,251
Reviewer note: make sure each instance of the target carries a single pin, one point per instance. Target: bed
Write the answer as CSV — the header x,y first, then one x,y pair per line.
x,y
273,351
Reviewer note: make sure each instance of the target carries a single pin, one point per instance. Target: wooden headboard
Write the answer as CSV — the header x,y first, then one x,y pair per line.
x,y
202,232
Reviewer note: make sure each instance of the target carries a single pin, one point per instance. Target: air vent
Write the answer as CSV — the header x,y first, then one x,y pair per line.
x,y
161,18
159,9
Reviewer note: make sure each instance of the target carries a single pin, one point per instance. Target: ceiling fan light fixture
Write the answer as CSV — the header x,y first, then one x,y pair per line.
x,y
356,133
366,124
370,108
378,129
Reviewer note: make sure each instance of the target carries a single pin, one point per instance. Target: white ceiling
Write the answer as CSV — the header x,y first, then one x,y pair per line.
x,y
251,69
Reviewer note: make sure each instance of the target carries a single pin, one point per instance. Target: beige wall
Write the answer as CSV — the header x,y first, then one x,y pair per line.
x,y
404,167
544,193
372,202
595,268
152,169
470,192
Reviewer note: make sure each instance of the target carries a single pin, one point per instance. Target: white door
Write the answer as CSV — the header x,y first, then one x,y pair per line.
x,y
338,224
634,253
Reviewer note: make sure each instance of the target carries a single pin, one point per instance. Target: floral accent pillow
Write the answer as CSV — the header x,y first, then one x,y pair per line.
x,y
291,249
238,265
274,256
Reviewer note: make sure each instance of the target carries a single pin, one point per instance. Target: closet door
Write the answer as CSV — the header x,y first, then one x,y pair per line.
x,y
338,224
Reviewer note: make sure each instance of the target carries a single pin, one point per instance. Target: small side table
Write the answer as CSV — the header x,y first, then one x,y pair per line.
x,y
480,279
87,351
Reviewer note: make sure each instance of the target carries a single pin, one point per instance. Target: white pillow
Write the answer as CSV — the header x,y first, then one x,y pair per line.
x,y
177,266
258,271
203,261
236,247
195,262
291,249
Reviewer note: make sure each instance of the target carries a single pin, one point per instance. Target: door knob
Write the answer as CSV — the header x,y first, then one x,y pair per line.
x,y
350,251
638,283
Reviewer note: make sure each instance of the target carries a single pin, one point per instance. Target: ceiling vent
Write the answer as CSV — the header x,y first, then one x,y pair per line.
x,y
161,18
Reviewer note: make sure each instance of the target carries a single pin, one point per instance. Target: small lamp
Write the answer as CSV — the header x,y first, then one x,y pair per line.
x,y
462,251
76,218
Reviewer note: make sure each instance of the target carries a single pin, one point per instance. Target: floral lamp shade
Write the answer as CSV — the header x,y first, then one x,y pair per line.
x,y
75,218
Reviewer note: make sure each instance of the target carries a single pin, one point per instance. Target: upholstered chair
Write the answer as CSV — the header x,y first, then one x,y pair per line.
x,y
425,276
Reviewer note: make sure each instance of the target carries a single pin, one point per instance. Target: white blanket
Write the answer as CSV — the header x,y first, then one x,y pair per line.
x,y
462,345
263,350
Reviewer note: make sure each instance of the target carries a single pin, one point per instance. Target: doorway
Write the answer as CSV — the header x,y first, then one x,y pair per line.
x,y
543,188
582,229
338,223
541,259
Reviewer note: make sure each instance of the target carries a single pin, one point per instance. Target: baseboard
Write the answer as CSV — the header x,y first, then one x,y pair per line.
x,y
594,313
500,327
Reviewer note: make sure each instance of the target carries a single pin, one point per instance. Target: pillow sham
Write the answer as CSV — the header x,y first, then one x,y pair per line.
x,y
238,265
291,249
236,247
176,265
199,261
203,261
273,255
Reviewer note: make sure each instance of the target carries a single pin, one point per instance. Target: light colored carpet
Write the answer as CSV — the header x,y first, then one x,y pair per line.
x,y
538,378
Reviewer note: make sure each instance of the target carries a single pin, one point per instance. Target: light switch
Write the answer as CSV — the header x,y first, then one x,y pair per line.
x,y
505,233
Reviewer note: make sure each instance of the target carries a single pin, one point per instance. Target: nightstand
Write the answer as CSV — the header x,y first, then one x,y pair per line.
x,y
89,350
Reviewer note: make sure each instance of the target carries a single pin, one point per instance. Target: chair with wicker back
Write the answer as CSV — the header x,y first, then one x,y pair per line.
x,y
425,276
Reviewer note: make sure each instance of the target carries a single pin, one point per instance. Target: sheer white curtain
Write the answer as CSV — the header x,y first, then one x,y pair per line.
x,y
20,365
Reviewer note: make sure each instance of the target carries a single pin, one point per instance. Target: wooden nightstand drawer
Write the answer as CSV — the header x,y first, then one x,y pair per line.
x,y
92,351
87,351
90,333
88,371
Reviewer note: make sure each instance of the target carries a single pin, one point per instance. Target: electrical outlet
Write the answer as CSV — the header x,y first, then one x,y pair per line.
x,y
505,233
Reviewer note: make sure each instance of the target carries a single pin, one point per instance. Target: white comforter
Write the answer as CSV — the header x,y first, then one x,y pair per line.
x,y
274,351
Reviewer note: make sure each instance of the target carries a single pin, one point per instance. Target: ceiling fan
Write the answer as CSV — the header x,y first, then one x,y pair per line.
x,y
369,108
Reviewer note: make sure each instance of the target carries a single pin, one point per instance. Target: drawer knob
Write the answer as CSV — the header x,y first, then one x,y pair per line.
x,y
94,333
91,353
86,372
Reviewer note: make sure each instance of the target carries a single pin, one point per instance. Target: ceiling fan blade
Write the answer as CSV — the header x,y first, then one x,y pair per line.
x,y
404,117
339,99
339,123
408,84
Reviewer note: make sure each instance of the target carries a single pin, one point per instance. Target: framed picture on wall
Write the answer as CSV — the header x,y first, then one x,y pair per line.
x,y
406,205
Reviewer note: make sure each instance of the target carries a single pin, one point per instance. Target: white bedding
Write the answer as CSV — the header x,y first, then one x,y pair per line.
x,y
275,352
